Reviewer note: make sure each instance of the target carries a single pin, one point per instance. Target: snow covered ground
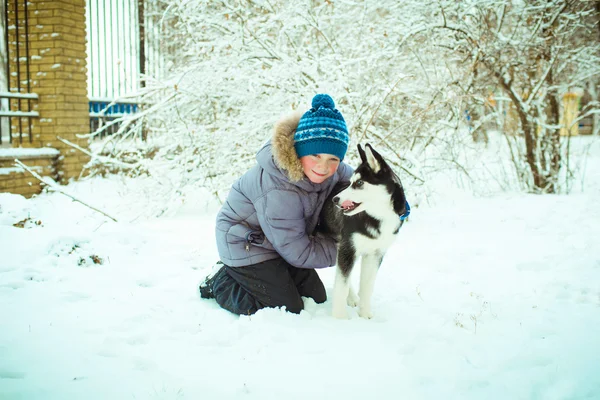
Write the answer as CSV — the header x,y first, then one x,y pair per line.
x,y
480,298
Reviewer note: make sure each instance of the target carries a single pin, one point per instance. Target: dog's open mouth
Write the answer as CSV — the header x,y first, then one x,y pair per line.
x,y
349,205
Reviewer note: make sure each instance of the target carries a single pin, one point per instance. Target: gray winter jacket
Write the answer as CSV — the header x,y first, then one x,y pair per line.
x,y
272,209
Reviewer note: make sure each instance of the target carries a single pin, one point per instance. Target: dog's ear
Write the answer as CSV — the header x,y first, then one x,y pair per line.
x,y
361,152
399,199
374,159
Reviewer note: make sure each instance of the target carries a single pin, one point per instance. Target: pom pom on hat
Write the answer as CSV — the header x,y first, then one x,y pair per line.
x,y
322,100
322,129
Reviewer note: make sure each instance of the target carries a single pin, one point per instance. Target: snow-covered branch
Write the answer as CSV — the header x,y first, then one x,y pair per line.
x,y
54,187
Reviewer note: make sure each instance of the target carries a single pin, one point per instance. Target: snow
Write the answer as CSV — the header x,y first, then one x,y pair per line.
x,y
494,297
26,153
12,170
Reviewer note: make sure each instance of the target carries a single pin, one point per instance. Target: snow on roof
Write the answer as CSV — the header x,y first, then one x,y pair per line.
x,y
24,154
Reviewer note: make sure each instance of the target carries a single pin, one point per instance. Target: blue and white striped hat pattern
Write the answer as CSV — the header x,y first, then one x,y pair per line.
x,y
322,129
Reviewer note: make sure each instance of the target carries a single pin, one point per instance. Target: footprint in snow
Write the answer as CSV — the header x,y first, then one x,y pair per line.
x,y
7,374
12,285
75,296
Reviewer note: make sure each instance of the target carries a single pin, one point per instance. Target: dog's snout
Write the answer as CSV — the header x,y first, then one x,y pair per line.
x,y
336,199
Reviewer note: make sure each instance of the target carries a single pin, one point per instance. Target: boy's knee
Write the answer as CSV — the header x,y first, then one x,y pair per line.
x,y
320,295
245,305
313,287
295,305
232,297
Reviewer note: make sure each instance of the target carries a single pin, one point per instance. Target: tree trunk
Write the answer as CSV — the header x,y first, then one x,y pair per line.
x,y
593,90
540,182
555,158
529,132
598,16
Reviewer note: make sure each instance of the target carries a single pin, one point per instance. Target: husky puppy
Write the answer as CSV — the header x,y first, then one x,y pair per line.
x,y
364,216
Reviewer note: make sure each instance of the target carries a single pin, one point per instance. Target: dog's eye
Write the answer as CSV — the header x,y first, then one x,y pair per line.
x,y
359,183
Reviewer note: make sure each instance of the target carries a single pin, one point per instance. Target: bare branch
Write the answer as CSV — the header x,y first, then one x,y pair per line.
x,y
542,79
58,189
501,22
102,159
380,104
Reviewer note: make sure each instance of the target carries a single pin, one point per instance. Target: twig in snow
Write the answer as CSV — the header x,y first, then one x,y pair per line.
x,y
56,188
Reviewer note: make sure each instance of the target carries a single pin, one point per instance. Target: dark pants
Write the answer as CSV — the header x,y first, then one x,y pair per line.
x,y
273,283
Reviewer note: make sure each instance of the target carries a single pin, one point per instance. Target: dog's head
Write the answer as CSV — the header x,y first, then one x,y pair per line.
x,y
372,186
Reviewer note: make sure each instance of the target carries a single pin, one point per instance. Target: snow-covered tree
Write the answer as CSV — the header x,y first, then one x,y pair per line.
x,y
534,52
238,65
402,73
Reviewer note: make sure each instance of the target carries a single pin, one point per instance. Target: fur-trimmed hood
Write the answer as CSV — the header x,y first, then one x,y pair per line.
x,y
282,142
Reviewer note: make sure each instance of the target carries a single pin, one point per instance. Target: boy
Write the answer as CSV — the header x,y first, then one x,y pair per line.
x,y
264,229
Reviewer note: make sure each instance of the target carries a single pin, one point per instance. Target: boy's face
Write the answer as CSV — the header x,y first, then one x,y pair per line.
x,y
319,167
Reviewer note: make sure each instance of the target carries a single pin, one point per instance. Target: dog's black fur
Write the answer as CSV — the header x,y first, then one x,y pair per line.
x,y
333,222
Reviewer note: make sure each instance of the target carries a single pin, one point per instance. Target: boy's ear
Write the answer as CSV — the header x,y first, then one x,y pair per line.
x,y
361,152
373,159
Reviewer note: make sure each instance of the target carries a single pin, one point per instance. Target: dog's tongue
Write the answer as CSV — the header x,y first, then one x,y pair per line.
x,y
347,204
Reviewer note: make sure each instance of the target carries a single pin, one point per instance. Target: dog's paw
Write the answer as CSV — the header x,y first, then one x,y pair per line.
x,y
340,313
365,313
352,299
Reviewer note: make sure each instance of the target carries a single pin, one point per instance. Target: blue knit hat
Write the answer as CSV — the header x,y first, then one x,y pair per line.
x,y
322,129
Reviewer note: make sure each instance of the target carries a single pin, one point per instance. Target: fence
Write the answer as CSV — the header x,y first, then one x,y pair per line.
x,y
104,111
125,41
124,44
15,86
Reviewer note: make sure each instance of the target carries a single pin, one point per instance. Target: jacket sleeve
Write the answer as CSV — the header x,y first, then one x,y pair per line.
x,y
281,216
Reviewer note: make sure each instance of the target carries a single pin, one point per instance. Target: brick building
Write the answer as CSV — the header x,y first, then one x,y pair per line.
x,y
46,57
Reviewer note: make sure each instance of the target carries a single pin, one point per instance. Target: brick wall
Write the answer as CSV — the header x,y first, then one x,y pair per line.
x,y
13,180
57,49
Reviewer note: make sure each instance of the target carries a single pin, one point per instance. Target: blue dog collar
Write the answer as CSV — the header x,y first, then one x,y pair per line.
x,y
407,213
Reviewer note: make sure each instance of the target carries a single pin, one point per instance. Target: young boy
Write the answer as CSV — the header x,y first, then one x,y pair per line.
x,y
264,229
